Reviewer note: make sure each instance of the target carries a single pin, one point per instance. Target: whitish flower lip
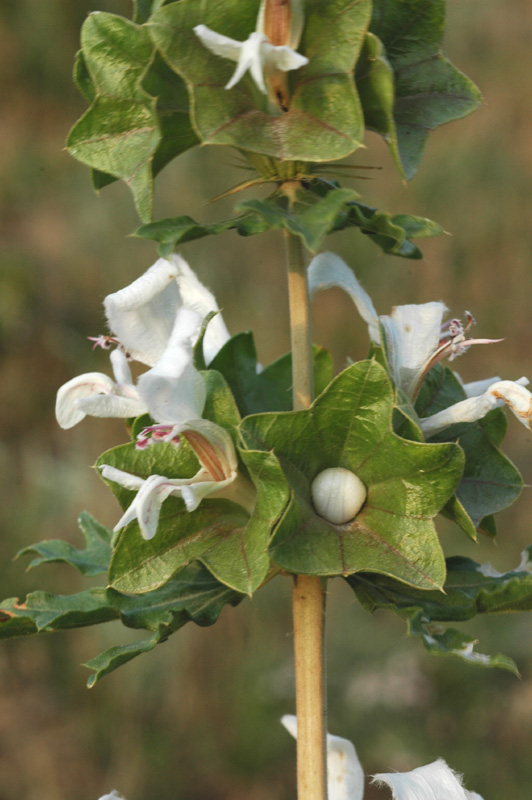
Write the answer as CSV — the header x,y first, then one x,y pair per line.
x,y
512,393
142,315
345,776
415,337
216,454
98,395
255,55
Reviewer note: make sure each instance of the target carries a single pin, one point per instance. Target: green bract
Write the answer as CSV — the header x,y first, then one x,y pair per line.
x,y
138,119
350,426
325,119
408,64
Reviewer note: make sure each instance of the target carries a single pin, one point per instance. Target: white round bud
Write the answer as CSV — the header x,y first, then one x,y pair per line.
x,y
338,495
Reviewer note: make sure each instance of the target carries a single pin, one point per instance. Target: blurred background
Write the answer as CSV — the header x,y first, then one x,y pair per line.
x,y
198,719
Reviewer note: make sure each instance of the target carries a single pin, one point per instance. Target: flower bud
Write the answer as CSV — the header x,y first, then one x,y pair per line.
x,y
338,495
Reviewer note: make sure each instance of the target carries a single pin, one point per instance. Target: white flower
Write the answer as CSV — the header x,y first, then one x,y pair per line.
x,y
415,339
214,449
98,395
142,315
153,319
499,393
113,796
345,776
258,54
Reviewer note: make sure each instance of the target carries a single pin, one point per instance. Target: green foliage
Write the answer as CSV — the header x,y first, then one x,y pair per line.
x,y
192,596
469,589
490,481
349,426
324,121
92,560
312,211
138,119
429,91
269,389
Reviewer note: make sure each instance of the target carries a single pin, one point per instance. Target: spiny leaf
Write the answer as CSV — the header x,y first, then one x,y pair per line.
x,y
350,426
324,120
92,560
429,90
138,119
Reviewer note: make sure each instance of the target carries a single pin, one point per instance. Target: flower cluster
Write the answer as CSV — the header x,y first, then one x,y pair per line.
x,y
156,321
415,338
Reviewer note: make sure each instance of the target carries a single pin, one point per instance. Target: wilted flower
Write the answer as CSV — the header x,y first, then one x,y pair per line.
x,y
415,340
270,49
345,776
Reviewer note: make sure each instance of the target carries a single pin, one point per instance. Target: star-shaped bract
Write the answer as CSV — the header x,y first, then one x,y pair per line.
x,y
350,426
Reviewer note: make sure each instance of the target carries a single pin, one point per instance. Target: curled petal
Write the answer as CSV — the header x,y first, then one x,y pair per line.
x,y
174,391
96,394
142,314
220,45
328,270
432,782
282,57
412,338
512,393
345,776
197,297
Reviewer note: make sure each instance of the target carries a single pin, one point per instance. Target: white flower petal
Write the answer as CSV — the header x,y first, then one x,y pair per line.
x,y
220,45
174,391
513,393
120,366
412,337
474,388
345,776
197,297
67,409
194,492
113,796
142,314
432,782
111,405
327,270
125,479
282,57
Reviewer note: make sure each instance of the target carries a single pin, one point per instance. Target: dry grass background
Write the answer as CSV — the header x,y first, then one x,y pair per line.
x,y
198,718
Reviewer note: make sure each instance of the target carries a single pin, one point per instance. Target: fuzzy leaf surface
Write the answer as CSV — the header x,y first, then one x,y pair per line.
x,y
193,595
470,589
324,120
350,426
271,388
93,559
138,119
429,90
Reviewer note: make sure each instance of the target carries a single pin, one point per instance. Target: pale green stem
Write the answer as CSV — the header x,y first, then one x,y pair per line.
x,y
308,593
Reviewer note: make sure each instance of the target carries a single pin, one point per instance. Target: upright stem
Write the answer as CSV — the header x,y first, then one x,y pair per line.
x,y
301,337
308,593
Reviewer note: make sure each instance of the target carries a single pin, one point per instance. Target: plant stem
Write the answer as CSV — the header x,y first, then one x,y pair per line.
x,y
301,338
308,593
